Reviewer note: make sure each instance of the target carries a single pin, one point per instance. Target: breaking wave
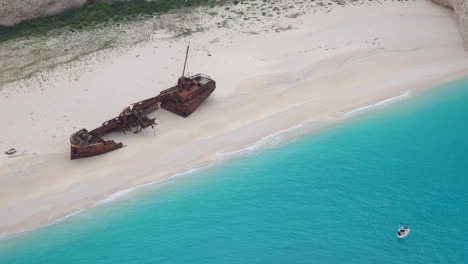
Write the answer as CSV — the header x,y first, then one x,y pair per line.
x,y
124,192
386,101
119,194
269,141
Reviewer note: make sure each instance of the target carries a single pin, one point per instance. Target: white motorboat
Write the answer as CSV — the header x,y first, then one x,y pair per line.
x,y
403,230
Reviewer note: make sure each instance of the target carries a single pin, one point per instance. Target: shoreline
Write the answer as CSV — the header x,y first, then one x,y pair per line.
x,y
259,145
256,146
294,86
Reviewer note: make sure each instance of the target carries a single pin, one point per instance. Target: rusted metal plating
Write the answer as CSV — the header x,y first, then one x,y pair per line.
x,y
181,99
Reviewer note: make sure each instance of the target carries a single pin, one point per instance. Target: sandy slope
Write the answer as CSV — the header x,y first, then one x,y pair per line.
x,y
326,66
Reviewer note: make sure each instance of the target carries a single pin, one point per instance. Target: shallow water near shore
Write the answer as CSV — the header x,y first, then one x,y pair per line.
x,y
334,196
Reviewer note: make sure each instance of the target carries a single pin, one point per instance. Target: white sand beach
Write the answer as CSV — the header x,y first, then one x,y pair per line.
x,y
313,67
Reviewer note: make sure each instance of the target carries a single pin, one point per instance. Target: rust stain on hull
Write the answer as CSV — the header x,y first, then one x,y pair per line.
x,y
193,92
84,144
182,99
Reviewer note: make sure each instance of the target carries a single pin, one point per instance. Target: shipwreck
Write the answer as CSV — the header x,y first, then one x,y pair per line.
x,y
182,99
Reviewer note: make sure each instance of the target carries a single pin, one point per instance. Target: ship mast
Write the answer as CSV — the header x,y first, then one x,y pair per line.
x,y
185,63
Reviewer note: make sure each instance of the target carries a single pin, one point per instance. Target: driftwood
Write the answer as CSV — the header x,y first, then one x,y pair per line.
x,y
18,155
10,151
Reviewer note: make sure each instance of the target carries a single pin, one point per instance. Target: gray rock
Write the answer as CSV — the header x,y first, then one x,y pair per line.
x,y
460,9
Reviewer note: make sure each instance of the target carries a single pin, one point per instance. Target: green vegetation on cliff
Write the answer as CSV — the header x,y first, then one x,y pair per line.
x,y
98,14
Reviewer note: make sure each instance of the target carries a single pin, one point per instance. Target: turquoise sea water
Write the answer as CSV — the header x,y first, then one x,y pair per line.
x,y
335,196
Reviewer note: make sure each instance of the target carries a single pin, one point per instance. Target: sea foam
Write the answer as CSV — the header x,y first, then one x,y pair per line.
x,y
380,103
124,192
273,140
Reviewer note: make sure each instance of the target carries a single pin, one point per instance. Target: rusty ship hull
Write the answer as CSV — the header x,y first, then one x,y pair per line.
x,y
182,99
84,144
187,101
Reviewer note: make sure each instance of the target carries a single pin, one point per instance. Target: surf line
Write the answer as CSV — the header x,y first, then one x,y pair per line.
x,y
108,199
386,101
260,144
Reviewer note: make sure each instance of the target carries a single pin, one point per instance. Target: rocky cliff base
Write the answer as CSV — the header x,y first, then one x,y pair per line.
x,y
460,8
